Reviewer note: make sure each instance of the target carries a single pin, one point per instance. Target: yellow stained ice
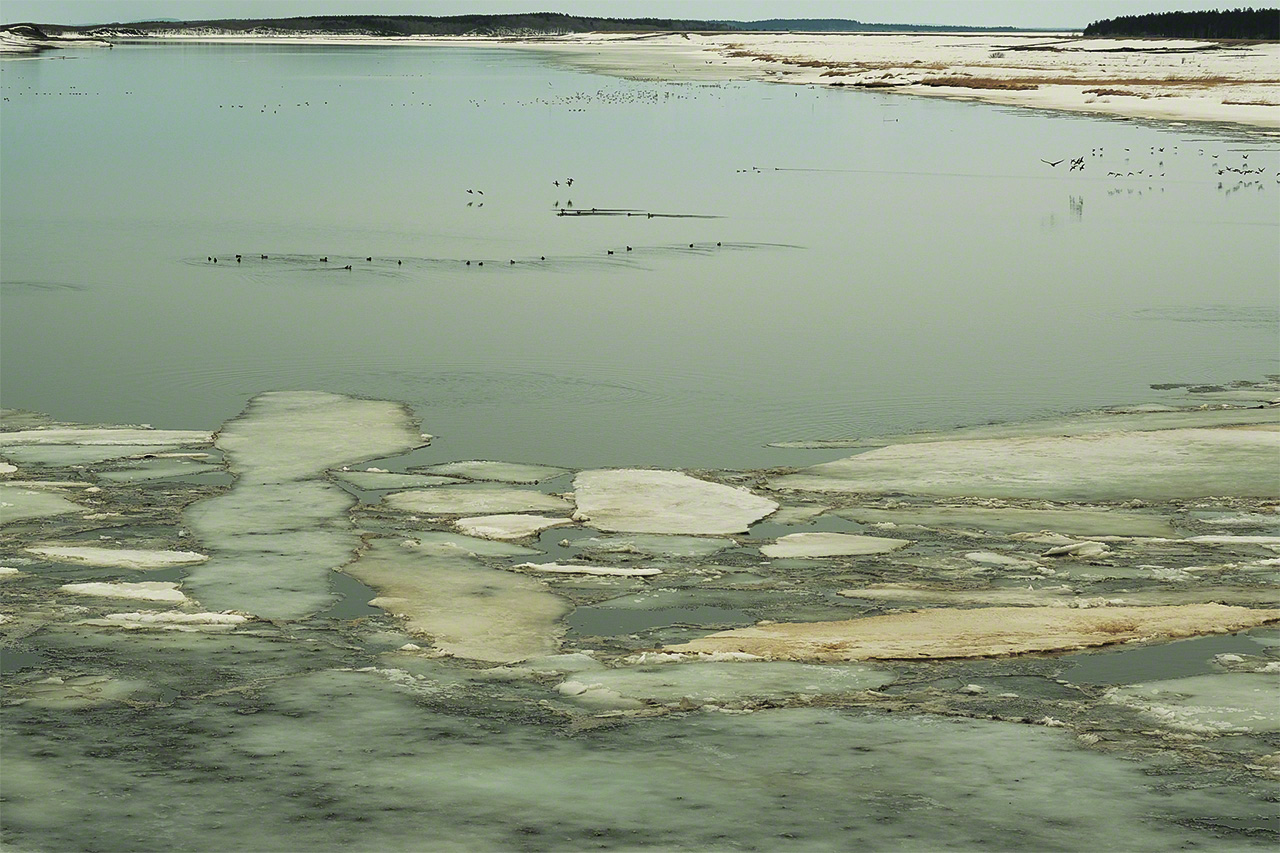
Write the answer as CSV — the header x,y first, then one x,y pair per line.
x,y
977,632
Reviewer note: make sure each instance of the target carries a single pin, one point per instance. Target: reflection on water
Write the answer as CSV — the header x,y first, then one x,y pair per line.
x,y
820,264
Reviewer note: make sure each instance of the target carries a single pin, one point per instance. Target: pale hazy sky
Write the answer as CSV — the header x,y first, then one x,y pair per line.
x,y
1020,13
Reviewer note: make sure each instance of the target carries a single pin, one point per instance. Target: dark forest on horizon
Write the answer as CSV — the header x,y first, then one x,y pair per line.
x,y
1245,23
1242,23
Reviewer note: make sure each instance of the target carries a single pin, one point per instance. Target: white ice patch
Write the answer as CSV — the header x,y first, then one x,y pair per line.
x,y
989,558
643,501
508,526
653,543
695,684
296,435
158,469
831,545
117,558
1271,541
169,620
502,472
1078,549
145,591
469,545
577,569
281,529
1163,465
103,436
1207,704
66,455
464,500
467,609
18,503
374,480
6,468
981,632
1077,521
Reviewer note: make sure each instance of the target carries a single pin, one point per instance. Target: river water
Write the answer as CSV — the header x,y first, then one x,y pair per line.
x,y
820,264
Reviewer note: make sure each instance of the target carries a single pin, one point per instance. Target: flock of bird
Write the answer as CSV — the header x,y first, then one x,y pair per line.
x,y
1136,166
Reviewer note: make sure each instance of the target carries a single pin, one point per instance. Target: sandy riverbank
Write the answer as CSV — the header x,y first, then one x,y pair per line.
x,y
1141,78
1162,79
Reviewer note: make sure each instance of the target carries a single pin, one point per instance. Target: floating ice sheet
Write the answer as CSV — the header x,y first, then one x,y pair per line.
x,y
468,544
510,526
643,501
281,529
1081,522
502,472
294,435
1158,465
1085,423
158,469
1228,703
145,591
374,480
467,609
169,620
118,558
103,436
831,545
65,455
464,500
653,543
700,683
582,569
980,632
18,503
808,778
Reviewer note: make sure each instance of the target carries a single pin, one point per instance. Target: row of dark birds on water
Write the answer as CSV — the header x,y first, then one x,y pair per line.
x,y
325,259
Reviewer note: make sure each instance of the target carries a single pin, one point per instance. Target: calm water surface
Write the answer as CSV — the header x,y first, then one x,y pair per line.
x,y
883,263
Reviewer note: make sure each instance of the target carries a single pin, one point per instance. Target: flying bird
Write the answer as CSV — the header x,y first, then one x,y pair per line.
x,y
1042,160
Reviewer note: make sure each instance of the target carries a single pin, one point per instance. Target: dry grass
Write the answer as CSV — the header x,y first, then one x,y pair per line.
x,y
1251,103
1112,92
979,83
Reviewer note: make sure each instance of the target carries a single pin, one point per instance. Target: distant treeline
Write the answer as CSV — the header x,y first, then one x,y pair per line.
x,y
1256,24
526,24
846,25
421,25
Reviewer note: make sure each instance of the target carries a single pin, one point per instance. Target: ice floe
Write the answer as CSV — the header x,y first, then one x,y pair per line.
x,y
508,526
1156,465
582,569
158,469
1012,519
376,480
979,632
18,503
644,501
831,545
145,591
436,539
692,685
467,609
465,500
502,472
652,543
281,529
119,558
295,435
169,620
1228,703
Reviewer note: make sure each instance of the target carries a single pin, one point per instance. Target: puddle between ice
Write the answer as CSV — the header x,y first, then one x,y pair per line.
x,y
353,599
1179,659
14,660
608,621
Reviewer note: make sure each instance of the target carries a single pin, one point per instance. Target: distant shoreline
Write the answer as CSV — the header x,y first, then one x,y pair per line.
x,y
1157,79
